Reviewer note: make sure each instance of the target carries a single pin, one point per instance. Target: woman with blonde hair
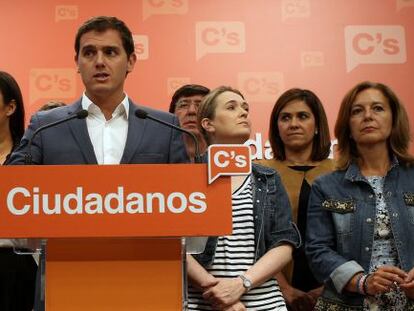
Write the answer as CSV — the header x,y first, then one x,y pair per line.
x,y
236,272
361,217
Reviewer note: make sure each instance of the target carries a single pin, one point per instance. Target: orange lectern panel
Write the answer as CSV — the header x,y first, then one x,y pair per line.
x,y
112,201
90,275
108,227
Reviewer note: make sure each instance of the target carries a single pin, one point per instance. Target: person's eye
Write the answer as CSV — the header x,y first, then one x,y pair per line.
x,y
88,53
284,118
356,111
303,116
230,107
378,108
182,105
111,52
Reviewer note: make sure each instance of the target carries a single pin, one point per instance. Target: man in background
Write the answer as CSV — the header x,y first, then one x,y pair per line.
x,y
184,104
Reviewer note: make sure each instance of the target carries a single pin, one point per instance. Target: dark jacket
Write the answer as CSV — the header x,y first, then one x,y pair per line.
x,y
273,224
341,221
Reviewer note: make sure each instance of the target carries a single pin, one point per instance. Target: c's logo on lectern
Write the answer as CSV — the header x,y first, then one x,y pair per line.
x,y
228,160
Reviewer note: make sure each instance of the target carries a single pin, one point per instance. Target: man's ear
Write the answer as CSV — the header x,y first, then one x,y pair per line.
x,y
131,62
75,58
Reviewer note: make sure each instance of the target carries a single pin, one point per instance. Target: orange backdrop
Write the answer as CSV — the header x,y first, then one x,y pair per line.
x,y
263,47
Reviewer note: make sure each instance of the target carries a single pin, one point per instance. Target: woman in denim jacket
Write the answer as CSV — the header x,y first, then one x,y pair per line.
x,y
235,272
361,217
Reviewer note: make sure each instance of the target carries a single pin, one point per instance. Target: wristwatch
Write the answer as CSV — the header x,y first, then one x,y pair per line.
x,y
247,284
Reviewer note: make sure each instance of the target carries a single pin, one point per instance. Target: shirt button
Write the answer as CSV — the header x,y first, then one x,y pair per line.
x,y
369,220
259,189
367,249
257,201
395,214
370,196
258,179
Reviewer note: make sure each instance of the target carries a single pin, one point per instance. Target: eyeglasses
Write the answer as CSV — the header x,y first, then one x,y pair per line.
x,y
185,104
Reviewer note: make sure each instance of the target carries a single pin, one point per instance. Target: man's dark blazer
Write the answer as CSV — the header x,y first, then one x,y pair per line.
x,y
69,142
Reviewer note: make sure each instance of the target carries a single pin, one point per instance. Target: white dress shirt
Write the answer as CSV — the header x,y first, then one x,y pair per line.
x,y
108,137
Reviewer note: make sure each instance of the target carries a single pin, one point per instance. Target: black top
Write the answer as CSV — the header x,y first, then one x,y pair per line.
x,y
302,277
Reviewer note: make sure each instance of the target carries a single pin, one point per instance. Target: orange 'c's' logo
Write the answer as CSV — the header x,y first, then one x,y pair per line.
x,y
228,160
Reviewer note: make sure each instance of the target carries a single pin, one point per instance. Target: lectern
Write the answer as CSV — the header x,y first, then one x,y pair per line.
x,y
114,232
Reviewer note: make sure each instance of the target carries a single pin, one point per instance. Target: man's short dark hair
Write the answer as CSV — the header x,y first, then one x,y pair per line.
x,y
187,91
103,23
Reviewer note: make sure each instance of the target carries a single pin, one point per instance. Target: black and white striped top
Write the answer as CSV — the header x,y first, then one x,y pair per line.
x,y
235,254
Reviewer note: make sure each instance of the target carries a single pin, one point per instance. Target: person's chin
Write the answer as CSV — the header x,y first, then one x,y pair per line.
x,y
100,89
371,140
244,136
297,145
191,128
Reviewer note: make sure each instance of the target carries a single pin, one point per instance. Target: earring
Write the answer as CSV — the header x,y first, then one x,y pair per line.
x,y
316,132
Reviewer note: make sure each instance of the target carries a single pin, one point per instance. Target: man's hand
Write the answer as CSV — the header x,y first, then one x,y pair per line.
x,y
227,292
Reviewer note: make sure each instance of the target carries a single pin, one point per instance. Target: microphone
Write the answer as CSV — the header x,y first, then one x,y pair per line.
x,y
81,114
142,114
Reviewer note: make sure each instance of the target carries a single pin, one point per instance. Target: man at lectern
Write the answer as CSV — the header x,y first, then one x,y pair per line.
x,y
110,132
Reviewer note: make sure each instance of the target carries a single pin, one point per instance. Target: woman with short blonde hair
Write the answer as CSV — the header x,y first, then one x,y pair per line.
x,y
235,272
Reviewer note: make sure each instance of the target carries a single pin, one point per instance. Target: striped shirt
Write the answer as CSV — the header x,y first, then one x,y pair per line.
x,y
235,254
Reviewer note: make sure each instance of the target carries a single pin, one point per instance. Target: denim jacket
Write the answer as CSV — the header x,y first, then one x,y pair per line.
x,y
273,224
341,220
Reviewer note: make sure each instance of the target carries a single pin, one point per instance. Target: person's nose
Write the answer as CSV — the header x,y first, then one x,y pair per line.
x,y
294,123
243,112
367,114
192,108
100,60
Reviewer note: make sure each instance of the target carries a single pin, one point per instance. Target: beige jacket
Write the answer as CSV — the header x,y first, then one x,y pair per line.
x,y
292,181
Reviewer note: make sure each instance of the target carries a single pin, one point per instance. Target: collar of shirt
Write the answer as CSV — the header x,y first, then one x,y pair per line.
x,y
94,111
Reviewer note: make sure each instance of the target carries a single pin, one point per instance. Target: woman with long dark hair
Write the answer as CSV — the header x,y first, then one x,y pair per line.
x,y
17,271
